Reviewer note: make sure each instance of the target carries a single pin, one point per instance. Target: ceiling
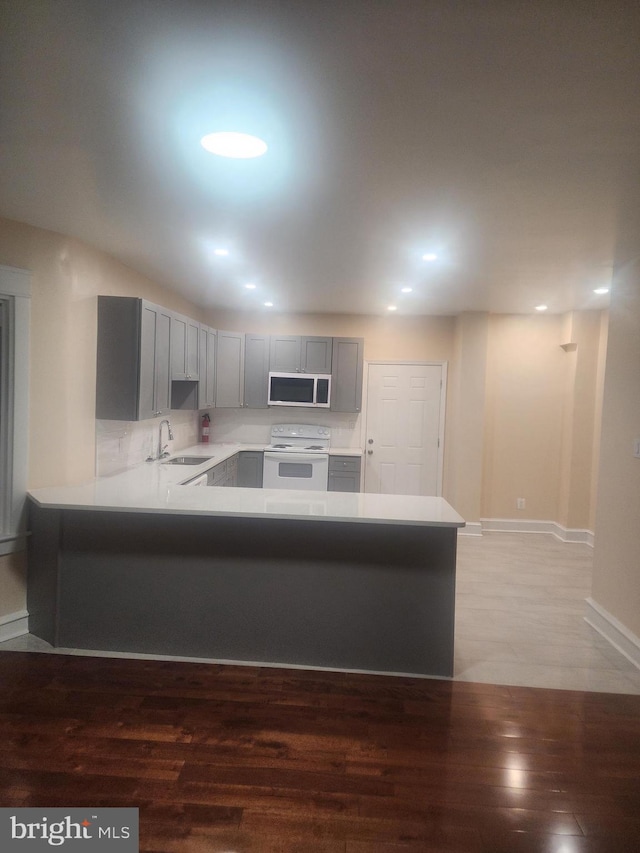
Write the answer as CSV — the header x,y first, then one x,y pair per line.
x,y
501,135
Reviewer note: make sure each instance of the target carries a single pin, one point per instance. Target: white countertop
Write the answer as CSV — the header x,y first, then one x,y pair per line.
x,y
154,487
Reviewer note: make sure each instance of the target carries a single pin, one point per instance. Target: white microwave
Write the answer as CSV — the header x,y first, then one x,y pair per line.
x,y
300,389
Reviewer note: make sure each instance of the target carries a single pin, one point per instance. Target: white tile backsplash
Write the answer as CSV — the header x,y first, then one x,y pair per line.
x,y
123,444
253,426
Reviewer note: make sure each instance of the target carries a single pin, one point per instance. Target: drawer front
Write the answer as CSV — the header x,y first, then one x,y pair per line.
x,y
350,464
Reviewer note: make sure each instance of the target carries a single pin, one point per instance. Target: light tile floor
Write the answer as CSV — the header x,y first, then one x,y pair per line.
x,y
520,603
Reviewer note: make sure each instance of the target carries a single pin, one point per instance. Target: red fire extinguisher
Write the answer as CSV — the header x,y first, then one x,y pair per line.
x,y
204,429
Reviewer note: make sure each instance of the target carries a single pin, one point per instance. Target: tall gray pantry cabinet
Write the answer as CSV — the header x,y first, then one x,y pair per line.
x,y
133,366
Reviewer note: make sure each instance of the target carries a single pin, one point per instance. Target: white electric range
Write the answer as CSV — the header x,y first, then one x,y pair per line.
x,y
297,458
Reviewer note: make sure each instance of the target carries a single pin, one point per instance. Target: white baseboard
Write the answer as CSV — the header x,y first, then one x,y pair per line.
x,y
471,528
524,525
14,625
613,630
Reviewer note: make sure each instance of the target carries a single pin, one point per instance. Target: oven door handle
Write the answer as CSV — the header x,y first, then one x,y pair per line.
x,y
295,457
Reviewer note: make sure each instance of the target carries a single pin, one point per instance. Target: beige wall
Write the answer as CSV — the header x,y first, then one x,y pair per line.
x,y
525,388
506,400
466,415
616,574
582,409
67,276
543,406
389,337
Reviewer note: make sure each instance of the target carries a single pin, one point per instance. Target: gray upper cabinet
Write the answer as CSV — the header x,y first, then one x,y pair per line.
x,y
133,372
185,351
346,375
294,353
256,370
230,370
285,353
207,367
316,355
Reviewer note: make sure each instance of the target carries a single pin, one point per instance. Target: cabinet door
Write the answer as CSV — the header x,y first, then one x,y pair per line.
x,y
193,350
230,370
146,405
178,347
207,368
250,463
184,348
285,353
155,379
344,474
346,374
256,370
343,481
232,471
162,363
316,355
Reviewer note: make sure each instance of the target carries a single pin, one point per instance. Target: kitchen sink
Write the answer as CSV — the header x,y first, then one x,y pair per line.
x,y
187,460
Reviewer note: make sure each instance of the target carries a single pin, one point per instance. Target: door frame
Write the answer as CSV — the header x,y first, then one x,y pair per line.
x,y
441,425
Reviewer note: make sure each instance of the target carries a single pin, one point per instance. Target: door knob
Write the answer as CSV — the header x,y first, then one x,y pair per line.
x,y
369,452
370,441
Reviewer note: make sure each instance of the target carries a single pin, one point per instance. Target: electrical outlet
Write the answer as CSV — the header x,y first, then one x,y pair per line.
x,y
636,448
520,503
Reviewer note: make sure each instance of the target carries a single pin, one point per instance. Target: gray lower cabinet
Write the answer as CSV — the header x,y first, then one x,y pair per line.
x,y
232,471
250,464
224,473
346,374
256,370
133,371
230,370
217,475
344,474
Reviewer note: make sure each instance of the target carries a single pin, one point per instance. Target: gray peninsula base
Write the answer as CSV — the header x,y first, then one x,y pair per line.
x,y
354,596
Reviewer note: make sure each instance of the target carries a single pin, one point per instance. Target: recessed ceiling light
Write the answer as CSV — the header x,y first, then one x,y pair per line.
x,y
268,304
250,286
392,308
222,253
406,289
541,307
240,146
601,290
430,256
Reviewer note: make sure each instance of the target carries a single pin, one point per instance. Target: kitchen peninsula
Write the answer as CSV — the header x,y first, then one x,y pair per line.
x,y
138,562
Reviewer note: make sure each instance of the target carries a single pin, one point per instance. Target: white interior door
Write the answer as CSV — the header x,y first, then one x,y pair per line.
x,y
404,429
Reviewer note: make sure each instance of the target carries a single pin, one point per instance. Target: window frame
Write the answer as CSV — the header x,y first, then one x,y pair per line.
x,y
15,295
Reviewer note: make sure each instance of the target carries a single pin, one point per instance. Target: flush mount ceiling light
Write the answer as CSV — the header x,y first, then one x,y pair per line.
x,y
601,290
268,304
541,307
392,308
221,253
406,289
430,256
239,146
250,286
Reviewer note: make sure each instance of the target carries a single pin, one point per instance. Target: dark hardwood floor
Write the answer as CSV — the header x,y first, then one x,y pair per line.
x,y
239,759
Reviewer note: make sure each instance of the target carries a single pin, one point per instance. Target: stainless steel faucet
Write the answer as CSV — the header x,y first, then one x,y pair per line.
x,y
162,450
